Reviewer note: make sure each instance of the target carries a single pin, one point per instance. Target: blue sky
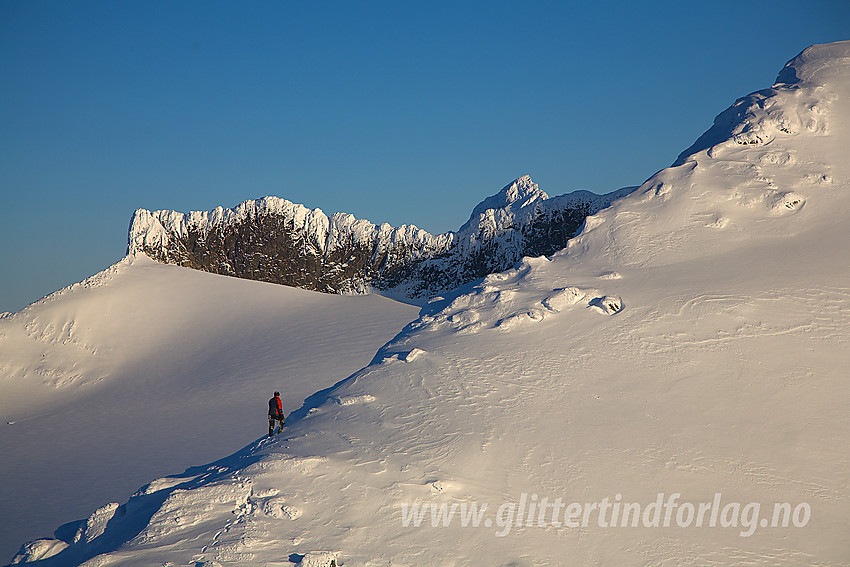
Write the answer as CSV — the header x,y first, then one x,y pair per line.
x,y
404,112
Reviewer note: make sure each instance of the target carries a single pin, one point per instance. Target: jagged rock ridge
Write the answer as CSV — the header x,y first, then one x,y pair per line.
x,y
275,240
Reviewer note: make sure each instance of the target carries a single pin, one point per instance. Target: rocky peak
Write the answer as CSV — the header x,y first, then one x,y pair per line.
x,y
278,241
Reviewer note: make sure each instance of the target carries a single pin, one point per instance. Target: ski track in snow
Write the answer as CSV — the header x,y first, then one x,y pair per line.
x,y
801,309
691,339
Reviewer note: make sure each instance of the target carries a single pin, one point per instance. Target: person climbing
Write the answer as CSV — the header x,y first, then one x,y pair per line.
x,y
275,413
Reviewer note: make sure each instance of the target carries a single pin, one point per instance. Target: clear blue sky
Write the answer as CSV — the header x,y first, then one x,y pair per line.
x,y
404,112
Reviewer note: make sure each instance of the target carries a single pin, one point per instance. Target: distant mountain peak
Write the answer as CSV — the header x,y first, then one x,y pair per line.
x,y
520,193
720,282
275,240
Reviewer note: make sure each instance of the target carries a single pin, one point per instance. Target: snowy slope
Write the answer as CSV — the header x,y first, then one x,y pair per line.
x,y
146,367
689,348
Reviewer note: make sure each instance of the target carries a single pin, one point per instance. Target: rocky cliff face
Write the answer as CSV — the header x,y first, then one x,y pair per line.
x,y
277,241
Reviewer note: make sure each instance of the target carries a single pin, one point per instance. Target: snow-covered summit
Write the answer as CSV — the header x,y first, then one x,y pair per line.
x,y
668,389
519,194
750,176
818,65
794,104
275,240
156,229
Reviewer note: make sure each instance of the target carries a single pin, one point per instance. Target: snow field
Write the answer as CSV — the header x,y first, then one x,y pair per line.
x,y
692,340
146,367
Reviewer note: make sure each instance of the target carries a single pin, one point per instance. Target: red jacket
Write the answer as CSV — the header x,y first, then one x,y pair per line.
x,y
275,406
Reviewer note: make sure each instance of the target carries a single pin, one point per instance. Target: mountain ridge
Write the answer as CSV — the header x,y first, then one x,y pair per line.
x,y
278,241
689,346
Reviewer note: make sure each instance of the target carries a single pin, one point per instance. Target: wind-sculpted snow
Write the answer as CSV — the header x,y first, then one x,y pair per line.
x,y
753,170
274,240
795,104
685,354
507,301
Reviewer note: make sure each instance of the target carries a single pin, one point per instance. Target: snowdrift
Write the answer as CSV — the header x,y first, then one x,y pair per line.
x,y
669,389
146,366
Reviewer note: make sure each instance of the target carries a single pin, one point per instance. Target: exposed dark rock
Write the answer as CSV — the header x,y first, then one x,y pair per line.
x,y
274,240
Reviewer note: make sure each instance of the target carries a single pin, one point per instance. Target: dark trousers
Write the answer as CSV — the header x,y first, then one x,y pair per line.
x,y
275,418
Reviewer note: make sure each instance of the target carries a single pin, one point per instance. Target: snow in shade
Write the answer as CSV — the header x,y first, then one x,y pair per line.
x,y
687,349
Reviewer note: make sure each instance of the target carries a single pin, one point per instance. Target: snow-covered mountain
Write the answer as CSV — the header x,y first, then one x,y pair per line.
x,y
669,389
146,366
275,240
